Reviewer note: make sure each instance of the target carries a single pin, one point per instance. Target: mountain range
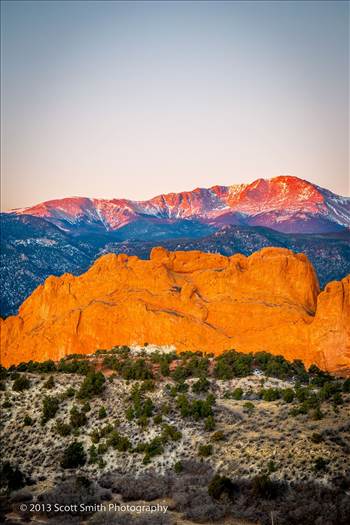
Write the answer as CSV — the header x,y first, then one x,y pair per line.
x,y
286,204
67,235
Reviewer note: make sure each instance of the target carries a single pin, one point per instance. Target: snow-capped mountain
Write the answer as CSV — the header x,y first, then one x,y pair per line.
x,y
286,204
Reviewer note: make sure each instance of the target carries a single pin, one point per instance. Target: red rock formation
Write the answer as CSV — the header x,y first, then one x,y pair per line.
x,y
268,301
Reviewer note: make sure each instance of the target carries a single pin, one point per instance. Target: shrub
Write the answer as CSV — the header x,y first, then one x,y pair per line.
x,y
63,429
328,390
7,403
237,394
142,421
320,464
202,385
178,467
170,433
193,364
218,436
317,413
129,413
151,449
299,371
74,456
164,369
233,364
50,407
158,419
270,394
11,477
3,372
346,385
142,407
264,487
74,367
319,377
70,392
93,385
219,486
102,413
223,370
288,395
180,373
122,351
50,383
95,435
147,487
316,437
337,399
28,421
271,466
44,367
93,456
205,450
86,407
209,423
180,388
134,369
148,385
165,409
21,383
102,449
118,442
249,407
196,363
278,366
197,408
77,418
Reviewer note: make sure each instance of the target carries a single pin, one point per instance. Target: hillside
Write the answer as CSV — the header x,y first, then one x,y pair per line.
x,y
234,439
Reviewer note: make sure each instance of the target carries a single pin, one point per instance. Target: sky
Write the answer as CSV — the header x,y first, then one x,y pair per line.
x,y
133,99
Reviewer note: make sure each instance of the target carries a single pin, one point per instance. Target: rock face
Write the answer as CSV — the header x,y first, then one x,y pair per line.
x,y
196,301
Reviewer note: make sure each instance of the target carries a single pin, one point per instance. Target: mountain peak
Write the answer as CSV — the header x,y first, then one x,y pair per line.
x,y
285,203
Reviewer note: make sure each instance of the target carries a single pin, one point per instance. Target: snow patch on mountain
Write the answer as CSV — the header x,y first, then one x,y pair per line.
x,y
273,202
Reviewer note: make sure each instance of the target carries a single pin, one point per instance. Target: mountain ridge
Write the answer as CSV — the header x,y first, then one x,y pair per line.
x,y
284,203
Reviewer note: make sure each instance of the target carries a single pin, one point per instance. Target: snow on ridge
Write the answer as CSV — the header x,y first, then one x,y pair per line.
x,y
283,195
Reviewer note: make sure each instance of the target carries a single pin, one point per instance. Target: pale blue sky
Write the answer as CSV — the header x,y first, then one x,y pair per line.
x,y
133,99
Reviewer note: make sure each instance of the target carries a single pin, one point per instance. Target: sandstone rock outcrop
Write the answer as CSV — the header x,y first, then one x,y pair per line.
x,y
196,301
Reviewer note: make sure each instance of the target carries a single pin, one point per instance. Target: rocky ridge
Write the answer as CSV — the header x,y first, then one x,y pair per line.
x,y
284,203
269,301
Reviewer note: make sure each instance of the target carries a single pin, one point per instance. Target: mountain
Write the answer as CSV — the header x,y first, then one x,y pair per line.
x,y
195,301
33,249
286,204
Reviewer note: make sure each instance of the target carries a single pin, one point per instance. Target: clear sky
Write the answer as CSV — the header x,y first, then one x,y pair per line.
x,y
133,99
